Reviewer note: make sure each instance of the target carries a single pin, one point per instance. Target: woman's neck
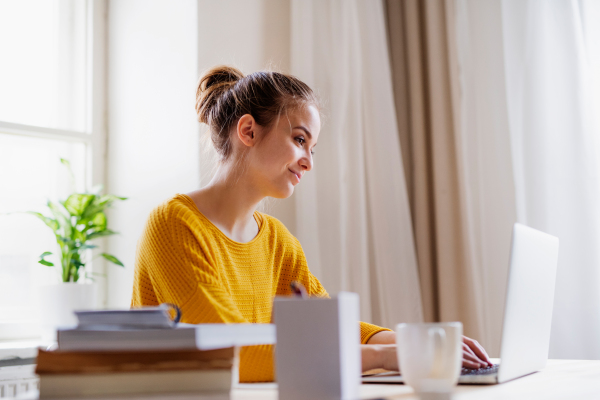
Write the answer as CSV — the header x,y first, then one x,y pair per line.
x,y
229,202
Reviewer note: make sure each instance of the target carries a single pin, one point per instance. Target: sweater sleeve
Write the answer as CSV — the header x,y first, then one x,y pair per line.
x,y
366,330
182,273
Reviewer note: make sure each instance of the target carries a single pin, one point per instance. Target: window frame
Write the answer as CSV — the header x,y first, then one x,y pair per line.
x,y
94,138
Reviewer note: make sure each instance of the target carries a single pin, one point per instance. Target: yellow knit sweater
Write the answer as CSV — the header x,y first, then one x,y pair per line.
x,y
182,258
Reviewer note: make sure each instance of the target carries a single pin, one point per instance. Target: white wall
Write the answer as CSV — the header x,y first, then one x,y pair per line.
x,y
249,34
152,129
156,52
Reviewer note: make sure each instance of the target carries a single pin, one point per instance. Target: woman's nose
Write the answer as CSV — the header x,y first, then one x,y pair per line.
x,y
306,162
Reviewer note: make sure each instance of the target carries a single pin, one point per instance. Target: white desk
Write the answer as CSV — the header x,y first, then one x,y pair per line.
x,y
561,379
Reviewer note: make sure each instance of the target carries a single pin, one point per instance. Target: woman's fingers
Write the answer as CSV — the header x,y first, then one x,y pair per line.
x,y
477,349
470,364
470,357
467,350
467,355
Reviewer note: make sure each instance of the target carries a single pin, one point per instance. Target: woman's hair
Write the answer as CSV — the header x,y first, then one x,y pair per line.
x,y
224,95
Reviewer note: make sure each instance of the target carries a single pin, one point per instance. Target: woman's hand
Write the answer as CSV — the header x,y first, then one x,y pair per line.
x,y
474,355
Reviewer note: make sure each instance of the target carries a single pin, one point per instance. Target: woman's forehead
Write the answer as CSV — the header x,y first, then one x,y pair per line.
x,y
307,117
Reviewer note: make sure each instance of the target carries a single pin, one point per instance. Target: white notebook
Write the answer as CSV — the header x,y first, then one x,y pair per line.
x,y
183,336
163,316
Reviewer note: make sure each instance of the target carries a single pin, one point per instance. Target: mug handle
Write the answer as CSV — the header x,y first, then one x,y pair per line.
x,y
437,338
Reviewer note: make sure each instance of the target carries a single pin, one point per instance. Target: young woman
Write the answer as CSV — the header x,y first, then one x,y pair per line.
x,y
211,253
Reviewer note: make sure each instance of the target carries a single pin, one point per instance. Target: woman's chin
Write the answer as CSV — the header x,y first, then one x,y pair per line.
x,y
283,193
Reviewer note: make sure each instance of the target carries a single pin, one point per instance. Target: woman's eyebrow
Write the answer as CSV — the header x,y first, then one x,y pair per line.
x,y
305,130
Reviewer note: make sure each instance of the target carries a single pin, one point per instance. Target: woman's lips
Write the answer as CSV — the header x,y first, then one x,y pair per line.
x,y
298,176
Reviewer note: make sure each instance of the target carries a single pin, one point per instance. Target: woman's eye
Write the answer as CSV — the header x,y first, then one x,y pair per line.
x,y
300,140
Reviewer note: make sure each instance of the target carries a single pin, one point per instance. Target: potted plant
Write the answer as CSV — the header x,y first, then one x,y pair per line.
x,y
75,222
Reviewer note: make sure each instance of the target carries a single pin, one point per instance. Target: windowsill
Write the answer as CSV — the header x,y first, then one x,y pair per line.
x,y
19,330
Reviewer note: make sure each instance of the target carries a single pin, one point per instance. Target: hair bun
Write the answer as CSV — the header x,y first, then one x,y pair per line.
x,y
214,83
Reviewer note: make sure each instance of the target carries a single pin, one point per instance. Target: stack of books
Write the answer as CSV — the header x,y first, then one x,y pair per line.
x,y
100,373
108,356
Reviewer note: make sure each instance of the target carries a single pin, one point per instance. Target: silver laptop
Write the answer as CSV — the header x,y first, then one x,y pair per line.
x,y
527,313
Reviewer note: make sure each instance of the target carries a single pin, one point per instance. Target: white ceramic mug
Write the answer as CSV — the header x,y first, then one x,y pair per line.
x,y
430,355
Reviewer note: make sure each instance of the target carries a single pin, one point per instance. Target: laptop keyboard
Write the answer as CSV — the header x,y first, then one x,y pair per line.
x,y
480,371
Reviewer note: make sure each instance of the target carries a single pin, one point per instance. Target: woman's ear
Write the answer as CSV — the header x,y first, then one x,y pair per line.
x,y
246,130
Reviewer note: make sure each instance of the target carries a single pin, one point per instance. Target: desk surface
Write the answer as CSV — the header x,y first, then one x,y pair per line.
x,y
561,379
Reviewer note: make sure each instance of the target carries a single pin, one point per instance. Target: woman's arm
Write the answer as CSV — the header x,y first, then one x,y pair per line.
x,y
379,356
383,337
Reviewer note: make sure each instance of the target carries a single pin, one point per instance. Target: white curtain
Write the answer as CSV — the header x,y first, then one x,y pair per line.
x,y
551,56
484,156
353,216
529,73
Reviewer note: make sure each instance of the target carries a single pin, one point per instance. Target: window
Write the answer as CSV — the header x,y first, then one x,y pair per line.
x,y
51,107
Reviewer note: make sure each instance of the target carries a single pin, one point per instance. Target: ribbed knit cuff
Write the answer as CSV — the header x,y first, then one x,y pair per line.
x,y
368,330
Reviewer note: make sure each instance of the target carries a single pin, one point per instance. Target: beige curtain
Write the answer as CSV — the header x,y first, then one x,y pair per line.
x,y
425,81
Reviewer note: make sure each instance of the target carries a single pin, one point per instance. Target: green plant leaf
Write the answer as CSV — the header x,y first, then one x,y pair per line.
x,y
78,235
96,235
51,223
87,246
44,262
78,202
75,250
62,219
91,211
77,263
99,222
112,259
109,198
61,240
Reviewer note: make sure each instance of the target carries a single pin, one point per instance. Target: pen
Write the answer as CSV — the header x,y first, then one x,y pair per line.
x,y
298,289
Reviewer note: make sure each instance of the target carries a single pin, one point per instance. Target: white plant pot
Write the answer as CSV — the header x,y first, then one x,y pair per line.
x,y
57,303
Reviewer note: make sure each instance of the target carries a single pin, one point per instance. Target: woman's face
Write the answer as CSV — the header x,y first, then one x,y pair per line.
x,y
285,153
